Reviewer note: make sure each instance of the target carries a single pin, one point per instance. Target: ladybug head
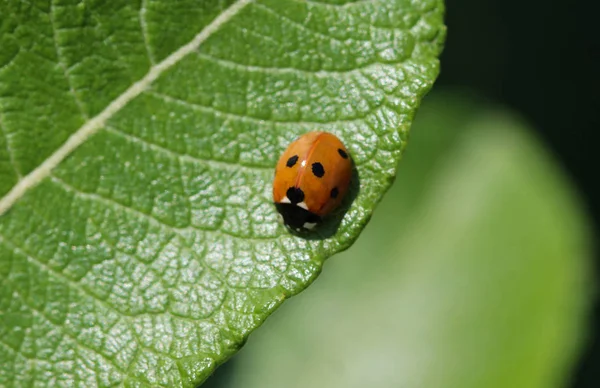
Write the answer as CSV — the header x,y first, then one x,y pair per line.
x,y
297,218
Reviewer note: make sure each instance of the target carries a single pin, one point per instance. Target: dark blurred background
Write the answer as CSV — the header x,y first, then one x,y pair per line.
x,y
542,59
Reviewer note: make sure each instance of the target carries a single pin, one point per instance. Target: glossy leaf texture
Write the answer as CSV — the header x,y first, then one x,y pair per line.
x,y
475,271
138,243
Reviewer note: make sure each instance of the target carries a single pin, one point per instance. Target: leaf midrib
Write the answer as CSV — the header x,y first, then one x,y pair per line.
x,y
97,122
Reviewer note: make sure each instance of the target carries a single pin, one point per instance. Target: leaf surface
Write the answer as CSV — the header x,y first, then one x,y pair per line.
x,y
138,242
474,272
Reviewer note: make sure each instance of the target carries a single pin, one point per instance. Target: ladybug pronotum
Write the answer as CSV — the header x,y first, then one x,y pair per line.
x,y
311,179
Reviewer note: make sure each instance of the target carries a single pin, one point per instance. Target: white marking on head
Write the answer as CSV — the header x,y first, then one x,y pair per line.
x,y
303,164
285,200
309,225
302,205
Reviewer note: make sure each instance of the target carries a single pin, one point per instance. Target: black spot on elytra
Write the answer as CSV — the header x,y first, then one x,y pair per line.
x,y
295,195
291,161
342,153
334,192
318,170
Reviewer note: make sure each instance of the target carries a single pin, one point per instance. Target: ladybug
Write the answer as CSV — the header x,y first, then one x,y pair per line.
x,y
311,178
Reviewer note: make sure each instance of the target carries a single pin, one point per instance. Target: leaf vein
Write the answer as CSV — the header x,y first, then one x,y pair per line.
x,y
7,346
144,28
73,283
76,341
232,166
240,117
262,37
119,314
289,70
94,124
301,26
16,248
180,232
62,64
137,258
11,155
344,5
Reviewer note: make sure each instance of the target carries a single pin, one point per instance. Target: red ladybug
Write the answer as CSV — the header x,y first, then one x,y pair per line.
x,y
311,179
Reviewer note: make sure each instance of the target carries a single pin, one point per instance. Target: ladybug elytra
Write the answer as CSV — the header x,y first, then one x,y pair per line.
x,y
311,179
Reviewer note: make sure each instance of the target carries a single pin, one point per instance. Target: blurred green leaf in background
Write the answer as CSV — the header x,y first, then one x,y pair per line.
x,y
472,273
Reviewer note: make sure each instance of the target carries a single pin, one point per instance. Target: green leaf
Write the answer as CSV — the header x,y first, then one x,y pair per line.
x,y
138,242
472,273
